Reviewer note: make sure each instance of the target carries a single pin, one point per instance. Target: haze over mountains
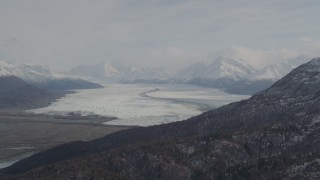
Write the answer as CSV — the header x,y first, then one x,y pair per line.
x,y
30,73
233,75
42,77
272,135
119,72
236,76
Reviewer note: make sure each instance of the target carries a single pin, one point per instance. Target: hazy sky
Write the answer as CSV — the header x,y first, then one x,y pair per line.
x,y
169,33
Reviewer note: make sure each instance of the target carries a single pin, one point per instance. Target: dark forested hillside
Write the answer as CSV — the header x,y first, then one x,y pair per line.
x,y
273,135
16,93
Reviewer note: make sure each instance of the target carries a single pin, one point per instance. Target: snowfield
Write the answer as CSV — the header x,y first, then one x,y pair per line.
x,y
133,106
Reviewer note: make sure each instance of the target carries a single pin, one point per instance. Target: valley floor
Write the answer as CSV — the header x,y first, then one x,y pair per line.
x,y
23,134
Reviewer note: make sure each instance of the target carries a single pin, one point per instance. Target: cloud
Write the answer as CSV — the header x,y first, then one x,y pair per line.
x,y
312,45
174,58
257,57
306,39
160,33
170,58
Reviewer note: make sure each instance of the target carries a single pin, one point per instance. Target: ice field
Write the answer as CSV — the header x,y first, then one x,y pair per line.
x,y
133,106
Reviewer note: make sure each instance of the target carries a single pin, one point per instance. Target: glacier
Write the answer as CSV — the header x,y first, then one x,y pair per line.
x,y
126,102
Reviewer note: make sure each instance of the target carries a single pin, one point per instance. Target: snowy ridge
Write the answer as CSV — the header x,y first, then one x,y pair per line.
x,y
233,75
235,69
110,71
225,68
237,75
222,67
277,71
239,69
303,80
43,78
273,72
118,72
27,72
316,63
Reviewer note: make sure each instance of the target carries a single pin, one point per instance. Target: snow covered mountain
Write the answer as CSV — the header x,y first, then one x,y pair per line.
x,y
42,77
237,75
27,72
119,72
233,75
303,82
229,74
221,68
277,71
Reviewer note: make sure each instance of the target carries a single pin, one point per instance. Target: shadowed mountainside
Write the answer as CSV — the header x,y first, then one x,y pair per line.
x,y
16,93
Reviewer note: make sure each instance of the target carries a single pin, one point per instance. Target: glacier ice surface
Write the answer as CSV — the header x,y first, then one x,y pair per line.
x,y
124,101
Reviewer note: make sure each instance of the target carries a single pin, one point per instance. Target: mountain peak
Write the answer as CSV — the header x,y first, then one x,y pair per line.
x,y
227,60
232,68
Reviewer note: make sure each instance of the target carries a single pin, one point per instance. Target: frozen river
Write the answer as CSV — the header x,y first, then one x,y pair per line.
x,y
142,105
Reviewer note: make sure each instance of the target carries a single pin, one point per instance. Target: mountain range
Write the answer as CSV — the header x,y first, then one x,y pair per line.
x,y
119,72
43,78
272,135
233,75
236,76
